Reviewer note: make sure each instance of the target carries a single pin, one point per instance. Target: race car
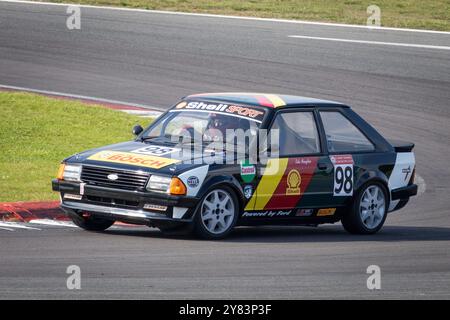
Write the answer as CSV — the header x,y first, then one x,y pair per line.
x,y
316,162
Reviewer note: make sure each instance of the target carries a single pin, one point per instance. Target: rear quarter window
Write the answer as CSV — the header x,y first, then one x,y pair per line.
x,y
342,135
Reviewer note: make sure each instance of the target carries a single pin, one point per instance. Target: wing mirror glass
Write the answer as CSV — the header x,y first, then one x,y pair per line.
x,y
137,129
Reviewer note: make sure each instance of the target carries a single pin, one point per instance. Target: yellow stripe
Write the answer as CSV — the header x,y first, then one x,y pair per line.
x,y
276,100
271,178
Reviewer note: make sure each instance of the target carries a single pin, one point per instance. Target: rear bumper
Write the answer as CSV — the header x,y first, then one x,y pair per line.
x,y
125,205
404,192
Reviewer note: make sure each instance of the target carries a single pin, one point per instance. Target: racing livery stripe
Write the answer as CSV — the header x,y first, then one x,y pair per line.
x,y
276,100
273,173
291,187
264,101
401,174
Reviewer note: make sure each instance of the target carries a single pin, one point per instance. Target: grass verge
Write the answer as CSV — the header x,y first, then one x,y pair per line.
x,y
430,14
37,132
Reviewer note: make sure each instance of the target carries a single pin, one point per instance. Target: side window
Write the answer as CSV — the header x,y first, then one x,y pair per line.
x,y
342,135
297,133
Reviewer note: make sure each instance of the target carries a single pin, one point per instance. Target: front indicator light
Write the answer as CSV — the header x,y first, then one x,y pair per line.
x,y
60,175
69,172
177,187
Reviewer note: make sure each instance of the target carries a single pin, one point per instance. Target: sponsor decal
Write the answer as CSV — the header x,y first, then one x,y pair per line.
x,y
190,175
406,171
248,191
326,212
181,105
293,181
73,196
343,175
248,171
193,181
268,213
151,206
304,212
155,150
241,111
132,159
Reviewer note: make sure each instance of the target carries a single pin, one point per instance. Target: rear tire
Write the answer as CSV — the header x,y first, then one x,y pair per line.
x,y
368,211
91,223
217,214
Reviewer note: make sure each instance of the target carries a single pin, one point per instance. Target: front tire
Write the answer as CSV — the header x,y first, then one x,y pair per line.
x,y
89,222
217,214
368,211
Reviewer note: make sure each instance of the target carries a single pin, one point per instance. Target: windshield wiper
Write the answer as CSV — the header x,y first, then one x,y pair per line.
x,y
149,138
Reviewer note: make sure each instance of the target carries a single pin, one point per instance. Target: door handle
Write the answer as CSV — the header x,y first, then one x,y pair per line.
x,y
323,166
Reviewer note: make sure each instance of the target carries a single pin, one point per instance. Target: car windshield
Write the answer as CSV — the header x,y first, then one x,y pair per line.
x,y
200,127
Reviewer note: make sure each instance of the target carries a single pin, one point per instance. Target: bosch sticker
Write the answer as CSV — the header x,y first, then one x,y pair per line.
x,y
132,159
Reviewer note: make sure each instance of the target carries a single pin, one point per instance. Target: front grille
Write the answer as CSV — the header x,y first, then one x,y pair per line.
x,y
127,180
111,201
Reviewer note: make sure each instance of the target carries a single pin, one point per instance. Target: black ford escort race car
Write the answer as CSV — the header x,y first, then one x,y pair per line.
x,y
317,162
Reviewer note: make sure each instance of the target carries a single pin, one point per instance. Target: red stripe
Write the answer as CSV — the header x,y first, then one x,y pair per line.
x,y
280,200
262,100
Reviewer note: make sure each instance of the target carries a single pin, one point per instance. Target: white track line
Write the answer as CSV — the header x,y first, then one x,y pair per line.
x,y
16,225
411,45
76,96
7,229
221,16
49,222
142,113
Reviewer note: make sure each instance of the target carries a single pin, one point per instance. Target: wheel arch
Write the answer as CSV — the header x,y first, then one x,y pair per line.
x,y
374,177
226,180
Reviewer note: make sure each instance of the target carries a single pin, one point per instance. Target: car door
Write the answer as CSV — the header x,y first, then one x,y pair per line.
x,y
351,153
298,171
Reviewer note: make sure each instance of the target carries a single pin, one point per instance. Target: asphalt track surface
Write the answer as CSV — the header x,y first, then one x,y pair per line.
x,y
156,58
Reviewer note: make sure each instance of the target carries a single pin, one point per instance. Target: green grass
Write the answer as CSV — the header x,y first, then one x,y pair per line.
x,y
429,14
37,132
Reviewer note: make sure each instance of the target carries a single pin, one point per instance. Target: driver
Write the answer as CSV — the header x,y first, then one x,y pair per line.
x,y
217,126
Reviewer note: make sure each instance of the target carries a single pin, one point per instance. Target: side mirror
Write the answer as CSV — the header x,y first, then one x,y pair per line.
x,y
137,129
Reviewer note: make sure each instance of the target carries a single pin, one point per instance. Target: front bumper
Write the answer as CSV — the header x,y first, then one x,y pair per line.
x,y
124,205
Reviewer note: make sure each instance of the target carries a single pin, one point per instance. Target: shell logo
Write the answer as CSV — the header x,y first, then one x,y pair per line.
x,y
181,105
294,180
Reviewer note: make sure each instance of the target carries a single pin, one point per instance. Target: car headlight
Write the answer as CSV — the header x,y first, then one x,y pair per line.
x,y
169,185
69,172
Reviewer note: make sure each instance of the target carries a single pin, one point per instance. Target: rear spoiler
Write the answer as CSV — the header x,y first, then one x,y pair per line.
x,y
401,146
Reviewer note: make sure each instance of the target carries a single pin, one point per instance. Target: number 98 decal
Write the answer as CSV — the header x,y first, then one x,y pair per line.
x,y
155,150
343,175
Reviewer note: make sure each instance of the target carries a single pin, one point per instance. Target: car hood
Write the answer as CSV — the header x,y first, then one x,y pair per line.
x,y
145,156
